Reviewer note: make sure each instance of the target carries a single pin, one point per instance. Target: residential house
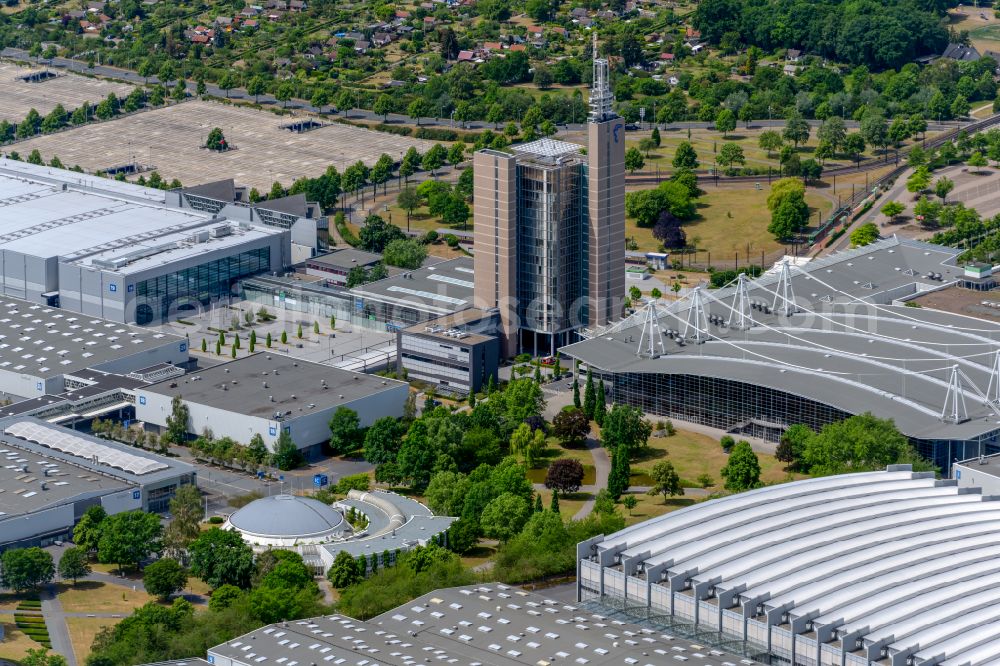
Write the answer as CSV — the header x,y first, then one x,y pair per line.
x,y
277,4
961,53
492,46
297,5
466,56
402,14
667,57
793,55
362,46
380,39
518,47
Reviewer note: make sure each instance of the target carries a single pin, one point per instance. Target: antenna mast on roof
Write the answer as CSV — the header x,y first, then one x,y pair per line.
x,y
696,318
651,334
954,401
740,316
784,292
601,98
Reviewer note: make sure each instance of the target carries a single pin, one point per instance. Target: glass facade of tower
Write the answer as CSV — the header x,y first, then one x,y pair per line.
x,y
551,246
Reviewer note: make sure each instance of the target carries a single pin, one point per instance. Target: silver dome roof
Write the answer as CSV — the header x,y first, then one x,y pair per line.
x,y
287,516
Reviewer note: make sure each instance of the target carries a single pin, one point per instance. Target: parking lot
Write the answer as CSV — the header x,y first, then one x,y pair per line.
x,y
17,97
170,139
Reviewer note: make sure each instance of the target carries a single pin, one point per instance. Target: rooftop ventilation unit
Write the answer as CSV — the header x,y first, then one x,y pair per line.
x,y
221,231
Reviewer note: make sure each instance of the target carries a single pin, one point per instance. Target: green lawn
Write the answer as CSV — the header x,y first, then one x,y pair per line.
x,y
729,220
693,454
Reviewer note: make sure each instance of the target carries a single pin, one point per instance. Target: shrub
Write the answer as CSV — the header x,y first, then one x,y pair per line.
x,y
393,129
216,520
435,134
353,482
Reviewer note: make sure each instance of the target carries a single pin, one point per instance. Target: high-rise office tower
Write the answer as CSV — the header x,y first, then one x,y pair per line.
x,y
605,199
550,231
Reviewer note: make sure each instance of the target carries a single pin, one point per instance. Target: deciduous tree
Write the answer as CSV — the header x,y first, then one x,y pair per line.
x,y
665,480
164,577
571,426
859,443
73,564
742,470
129,538
564,475
505,516
222,557
23,569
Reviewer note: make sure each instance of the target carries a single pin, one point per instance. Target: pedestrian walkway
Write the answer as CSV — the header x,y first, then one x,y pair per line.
x,y
55,623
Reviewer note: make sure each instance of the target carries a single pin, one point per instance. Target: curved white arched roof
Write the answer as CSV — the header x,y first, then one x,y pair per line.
x,y
896,559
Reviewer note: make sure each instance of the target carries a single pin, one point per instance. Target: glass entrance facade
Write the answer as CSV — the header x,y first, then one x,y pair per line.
x,y
158,297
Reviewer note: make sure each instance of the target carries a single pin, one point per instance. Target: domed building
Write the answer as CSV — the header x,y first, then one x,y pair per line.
x,y
288,520
388,524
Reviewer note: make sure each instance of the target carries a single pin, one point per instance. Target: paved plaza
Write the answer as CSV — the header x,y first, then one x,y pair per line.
x,y
332,346
17,97
171,138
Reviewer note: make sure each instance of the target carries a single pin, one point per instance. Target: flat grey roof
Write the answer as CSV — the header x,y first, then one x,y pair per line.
x,y
845,347
346,259
441,288
70,476
43,341
444,327
487,625
987,464
295,385
52,213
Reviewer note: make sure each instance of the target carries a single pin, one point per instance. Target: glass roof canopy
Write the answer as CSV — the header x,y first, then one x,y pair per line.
x,y
62,440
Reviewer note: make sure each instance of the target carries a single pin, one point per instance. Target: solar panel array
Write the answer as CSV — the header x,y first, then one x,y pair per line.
x,y
65,441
